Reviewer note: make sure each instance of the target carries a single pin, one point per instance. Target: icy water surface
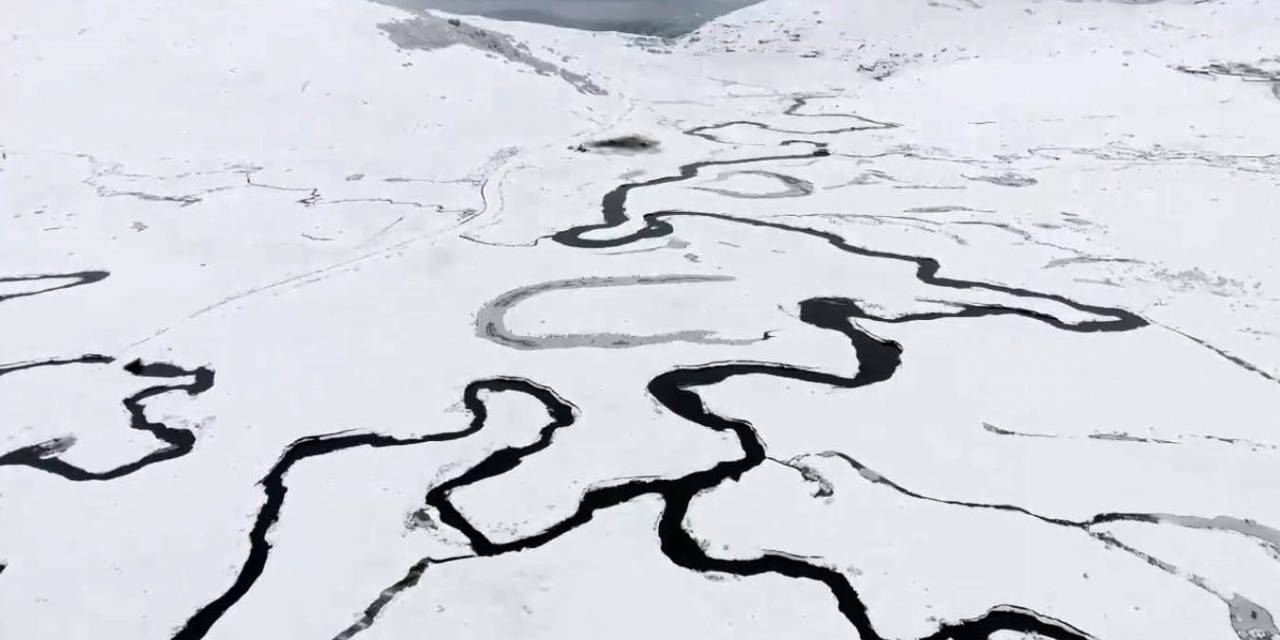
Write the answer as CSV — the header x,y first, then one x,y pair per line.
x,y
649,17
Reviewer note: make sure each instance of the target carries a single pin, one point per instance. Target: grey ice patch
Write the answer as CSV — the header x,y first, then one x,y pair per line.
x,y
946,208
428,33
1196,278
1265,70
872,176
490,320
1120,436
1250,621
1110,436
880,69
662,18
1062,262
182,201
1249,528
793,187
1007,179
623,144
991,428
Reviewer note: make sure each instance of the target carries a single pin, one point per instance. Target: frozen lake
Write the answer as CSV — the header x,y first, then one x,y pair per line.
x,y
650,17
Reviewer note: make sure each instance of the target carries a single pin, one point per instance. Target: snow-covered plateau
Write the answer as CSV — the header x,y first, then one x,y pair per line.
x,y
875,319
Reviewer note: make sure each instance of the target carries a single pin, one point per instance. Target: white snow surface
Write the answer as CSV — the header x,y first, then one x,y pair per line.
x,y
310,332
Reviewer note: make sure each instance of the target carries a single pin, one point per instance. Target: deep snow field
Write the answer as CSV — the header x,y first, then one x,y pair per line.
x,y
878,319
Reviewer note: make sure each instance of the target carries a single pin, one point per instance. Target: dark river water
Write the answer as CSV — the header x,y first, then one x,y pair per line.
x,y
648,17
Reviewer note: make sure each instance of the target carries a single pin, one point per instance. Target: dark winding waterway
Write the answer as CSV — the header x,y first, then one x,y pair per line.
x,y
677,390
